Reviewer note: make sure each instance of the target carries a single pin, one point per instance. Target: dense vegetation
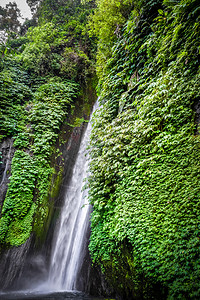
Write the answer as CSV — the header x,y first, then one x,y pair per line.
x,y
145,144
145,148
45,65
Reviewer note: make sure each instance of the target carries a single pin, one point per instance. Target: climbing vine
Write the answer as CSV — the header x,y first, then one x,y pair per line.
x,y
145,150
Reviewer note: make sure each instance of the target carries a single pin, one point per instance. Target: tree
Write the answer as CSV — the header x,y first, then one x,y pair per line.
x,y
33,4
106,23
9,17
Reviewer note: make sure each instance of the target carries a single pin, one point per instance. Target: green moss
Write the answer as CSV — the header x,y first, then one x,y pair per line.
x,y
56,184
20,230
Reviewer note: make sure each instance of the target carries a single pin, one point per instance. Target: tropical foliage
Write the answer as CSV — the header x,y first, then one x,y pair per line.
x,y
43,69
145,149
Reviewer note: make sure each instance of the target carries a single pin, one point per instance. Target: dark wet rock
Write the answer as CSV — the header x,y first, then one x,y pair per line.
x,y
12,264
196,108
7,152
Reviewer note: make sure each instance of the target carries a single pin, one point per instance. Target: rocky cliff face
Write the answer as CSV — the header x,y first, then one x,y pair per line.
x,y
19,265
7,152
27,265
196,108
12,265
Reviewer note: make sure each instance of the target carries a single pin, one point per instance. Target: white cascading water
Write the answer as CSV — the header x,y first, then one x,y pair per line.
x,y
74,220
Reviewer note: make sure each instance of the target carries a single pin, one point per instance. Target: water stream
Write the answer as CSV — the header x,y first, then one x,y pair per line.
x,y
7,164
67,255
47,296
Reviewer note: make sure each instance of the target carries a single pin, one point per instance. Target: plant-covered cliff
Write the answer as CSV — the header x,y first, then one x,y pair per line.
x,y
46,67
145,148
145,144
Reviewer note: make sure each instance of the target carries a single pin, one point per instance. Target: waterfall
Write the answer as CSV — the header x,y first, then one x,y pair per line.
x,y
69,239
25,274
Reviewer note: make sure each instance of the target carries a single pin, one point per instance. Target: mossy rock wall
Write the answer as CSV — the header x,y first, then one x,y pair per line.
x,y
44,219
145,149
